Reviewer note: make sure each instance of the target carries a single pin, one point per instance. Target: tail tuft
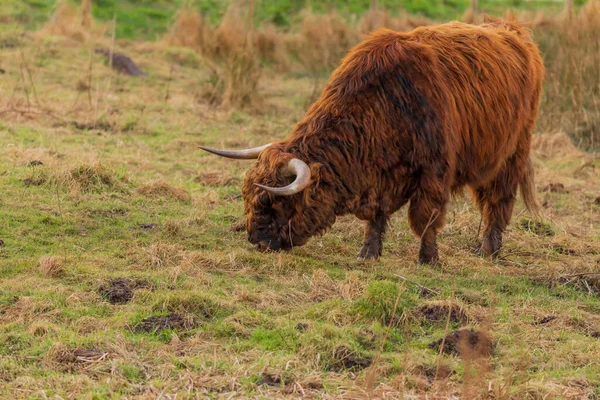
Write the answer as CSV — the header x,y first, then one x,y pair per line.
x,y
527,187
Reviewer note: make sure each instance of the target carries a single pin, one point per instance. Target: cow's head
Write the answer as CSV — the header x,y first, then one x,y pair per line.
x,y
284,203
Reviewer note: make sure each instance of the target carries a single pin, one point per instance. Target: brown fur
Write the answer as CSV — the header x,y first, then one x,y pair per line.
x,y
409,117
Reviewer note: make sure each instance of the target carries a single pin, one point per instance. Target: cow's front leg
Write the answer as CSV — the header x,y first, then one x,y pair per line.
x,y
373,243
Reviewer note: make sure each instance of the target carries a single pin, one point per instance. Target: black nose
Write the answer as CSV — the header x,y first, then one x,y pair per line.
x,y
263,245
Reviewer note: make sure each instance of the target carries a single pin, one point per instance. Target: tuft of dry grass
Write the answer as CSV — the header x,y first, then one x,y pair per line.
x,y
322,41
271,48
162,255
161,189
72,22
323,287
571,50
231,50
555,145
51,266
63,357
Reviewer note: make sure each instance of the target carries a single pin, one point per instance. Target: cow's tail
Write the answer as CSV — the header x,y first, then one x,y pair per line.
x,y
527,187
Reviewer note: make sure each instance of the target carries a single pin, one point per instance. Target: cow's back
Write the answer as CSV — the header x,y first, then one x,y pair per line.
x,y
493,77
458,97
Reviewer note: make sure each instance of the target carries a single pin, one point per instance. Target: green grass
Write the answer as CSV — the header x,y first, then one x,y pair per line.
x,y
261,325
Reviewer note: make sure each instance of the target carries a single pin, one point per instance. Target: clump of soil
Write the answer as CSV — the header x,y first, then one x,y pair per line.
x,y
148,226
597,201
555,188
120,290
95,125
269,380
301,326
33,163
346,359
426,293
155,323
545,320
35,180
467,344
439,312
241,227
564,251
429,372
121,63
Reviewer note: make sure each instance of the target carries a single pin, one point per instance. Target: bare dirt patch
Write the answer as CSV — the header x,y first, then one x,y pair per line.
x,y
95,125
430,372
545,320
301,327
345,359
120,290
269,380
156,324
426,293
35,180
467,344
239,227
439,312
148,227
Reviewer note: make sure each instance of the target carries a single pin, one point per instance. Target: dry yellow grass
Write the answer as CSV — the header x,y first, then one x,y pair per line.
x,y
231,50
74,23
161,189
51,266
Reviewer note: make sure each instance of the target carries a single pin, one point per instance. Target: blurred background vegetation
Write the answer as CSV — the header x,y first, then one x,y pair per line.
x,y
239,41
149,19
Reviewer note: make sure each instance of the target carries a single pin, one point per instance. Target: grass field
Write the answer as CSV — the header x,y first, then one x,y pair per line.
x,y
125,273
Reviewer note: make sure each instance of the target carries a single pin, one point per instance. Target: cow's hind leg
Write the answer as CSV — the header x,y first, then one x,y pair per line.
x,y
373,243
496,201
426,216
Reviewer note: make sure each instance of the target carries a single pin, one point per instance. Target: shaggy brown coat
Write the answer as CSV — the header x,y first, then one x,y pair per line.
x,y
409,117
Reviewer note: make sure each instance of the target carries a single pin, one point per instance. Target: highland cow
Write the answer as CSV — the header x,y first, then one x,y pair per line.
x,y
406,118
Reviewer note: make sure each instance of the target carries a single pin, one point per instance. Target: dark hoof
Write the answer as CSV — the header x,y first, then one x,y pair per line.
x,y
428,254
369,253
432,262
488,249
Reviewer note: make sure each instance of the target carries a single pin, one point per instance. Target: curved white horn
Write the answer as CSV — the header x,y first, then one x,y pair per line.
x,y
294,167
246,154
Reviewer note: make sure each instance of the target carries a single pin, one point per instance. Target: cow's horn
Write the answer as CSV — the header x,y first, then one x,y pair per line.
x,y
246,154
294,167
